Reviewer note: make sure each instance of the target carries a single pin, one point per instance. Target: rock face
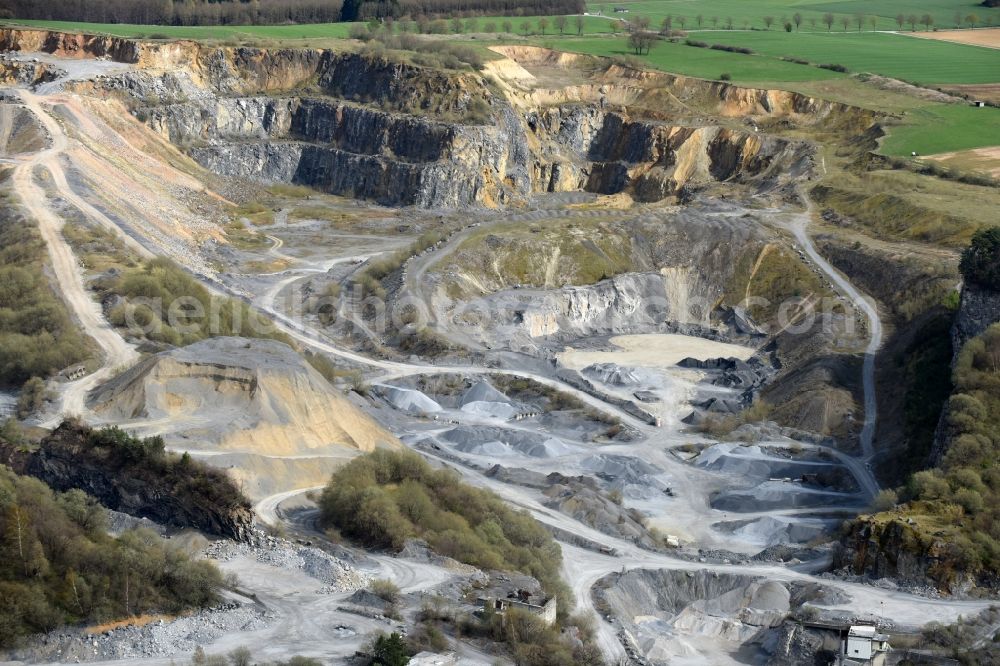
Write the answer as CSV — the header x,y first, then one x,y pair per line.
x,y
666,613
979,309
366,126
65,461
896,550
238,394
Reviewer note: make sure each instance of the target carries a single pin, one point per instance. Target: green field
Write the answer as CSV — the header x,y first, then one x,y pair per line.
x,y
941,128
701,63
752,12
293,33
238,32
898,56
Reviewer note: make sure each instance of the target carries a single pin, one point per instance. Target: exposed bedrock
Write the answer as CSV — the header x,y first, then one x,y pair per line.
x,y
666,614
66,460
681,272
899,551
365,126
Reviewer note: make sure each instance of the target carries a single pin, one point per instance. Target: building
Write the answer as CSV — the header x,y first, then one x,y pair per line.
x,y
864,646
543,608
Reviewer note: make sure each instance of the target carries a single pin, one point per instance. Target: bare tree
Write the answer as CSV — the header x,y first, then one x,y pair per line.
x,y
681,21
828,20
846,22
860,18
579,25
912,20
715,21
508,27
900,20
972,20
927,21
873,21
526,27
768,21
560,23
797,19
641,41
543,24
700,19
667,25
729,23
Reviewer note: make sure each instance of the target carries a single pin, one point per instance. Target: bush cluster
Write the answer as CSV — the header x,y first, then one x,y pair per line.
x,y
980,264
58,565
37,335
385,498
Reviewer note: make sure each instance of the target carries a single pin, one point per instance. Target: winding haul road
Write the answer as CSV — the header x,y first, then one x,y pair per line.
x,y
304,618
117,353
799,227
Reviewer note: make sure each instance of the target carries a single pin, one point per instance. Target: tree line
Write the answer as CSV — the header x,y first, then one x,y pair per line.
x,y
271,12
59,566
795,22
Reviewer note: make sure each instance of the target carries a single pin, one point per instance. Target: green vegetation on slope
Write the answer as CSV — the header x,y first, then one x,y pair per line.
x,y
980,263
957,503
59,566
965,489
164,304
37,335
386,497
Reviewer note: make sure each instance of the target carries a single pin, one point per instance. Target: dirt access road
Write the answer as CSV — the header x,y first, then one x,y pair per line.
x,y
117,353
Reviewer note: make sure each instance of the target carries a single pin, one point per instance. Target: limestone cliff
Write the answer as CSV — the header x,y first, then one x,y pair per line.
x,y
978,310
237,394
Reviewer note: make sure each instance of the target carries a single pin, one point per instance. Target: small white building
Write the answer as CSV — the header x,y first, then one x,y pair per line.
x,y
863,645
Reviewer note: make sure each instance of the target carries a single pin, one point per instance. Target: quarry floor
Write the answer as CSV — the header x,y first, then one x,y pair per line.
x,y
302,614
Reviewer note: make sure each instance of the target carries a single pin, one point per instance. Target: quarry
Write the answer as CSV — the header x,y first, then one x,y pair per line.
x,y
592,290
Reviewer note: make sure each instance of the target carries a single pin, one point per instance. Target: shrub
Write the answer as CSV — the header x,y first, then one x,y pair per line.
x,y
725,76
833,67
980,264
386,497
695,43
60,570
31,399
732,49
385,590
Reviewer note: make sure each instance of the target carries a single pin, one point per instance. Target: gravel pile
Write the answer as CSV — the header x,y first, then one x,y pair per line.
x,y
180,636
335,574
161,638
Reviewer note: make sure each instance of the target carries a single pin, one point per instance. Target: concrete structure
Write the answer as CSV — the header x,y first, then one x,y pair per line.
x,y
863,645
545,609
74,372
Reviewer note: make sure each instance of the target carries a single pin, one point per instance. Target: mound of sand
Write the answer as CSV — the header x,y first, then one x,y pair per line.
x,y
237,394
